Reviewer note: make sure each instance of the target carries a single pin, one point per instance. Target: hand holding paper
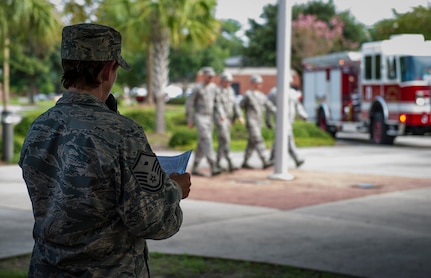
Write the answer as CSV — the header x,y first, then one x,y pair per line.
x,y
175,164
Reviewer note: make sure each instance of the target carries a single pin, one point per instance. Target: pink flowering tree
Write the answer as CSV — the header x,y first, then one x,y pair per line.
x,y
311,36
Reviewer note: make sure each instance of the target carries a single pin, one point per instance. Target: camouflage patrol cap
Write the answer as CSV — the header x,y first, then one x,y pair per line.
x,y
226,76
208,71
92,42
256,79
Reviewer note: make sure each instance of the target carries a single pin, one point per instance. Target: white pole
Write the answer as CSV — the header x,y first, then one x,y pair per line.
x,y
283,73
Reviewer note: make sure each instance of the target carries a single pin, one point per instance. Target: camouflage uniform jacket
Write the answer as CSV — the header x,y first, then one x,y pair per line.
x,y
226,106
201,102
97,190
294,105
254,104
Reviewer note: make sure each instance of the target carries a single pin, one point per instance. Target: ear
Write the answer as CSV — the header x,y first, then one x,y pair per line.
x,y
107,70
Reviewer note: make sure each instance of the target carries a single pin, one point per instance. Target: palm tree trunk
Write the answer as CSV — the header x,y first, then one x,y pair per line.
x,y
160,78
150,90
32,89
6,73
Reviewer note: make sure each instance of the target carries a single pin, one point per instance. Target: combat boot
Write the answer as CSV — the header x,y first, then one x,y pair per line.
x,y
195,170
267,164
245,165
231,167
272,157
217,164
299,162
215,170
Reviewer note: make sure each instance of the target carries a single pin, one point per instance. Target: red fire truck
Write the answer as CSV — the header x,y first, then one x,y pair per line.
x,y
383,89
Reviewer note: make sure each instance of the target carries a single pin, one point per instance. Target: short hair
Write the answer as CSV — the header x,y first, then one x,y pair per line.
x,y
82,74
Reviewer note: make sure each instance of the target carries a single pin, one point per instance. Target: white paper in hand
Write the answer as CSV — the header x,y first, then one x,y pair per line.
x,y
175,164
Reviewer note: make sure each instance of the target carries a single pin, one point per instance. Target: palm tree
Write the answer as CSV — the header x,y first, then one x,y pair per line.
x,y
33,25
43,29
6,16
163,24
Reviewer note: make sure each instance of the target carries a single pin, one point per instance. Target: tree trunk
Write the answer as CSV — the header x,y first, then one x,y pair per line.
x,y
150,65
160,78
6,74
32,90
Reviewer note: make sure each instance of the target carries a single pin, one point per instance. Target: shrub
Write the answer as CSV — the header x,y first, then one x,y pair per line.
x,y
177,101
17,145
183,137
175,120
268,134
23,126
238,132
145,118
306,133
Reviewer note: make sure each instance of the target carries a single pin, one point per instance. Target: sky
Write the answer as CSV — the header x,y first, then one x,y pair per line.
x,y
367,12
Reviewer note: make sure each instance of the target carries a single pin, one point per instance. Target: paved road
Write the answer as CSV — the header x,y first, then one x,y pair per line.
x,y
385,235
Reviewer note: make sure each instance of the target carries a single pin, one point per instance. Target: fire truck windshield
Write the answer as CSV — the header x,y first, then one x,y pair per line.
x,y
415,68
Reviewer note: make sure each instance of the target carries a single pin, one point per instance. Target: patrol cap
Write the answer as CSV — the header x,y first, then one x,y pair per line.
x,y
208,71
256,79
92,42
226,76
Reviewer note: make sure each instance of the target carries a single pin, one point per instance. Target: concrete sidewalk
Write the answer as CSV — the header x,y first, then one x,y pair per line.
x,y
378,236
384,235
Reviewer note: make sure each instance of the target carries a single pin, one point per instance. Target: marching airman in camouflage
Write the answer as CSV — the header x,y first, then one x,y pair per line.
x,y
254,104
96,187
295,108
200,112
225,114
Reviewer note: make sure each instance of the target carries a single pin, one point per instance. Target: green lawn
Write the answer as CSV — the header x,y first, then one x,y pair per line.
x,y
178,136
184,266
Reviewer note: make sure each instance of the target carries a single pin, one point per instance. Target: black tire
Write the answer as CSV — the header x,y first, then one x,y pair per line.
x,y
378,131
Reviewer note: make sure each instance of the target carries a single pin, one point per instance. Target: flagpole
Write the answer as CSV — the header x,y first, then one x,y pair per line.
x,y
284,23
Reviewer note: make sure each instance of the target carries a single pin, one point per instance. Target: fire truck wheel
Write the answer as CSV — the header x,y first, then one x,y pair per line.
x,y
378,131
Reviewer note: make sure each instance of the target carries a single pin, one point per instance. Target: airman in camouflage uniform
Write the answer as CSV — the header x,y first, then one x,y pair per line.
x,y
96,187
295,108
254,103
225,114
200,112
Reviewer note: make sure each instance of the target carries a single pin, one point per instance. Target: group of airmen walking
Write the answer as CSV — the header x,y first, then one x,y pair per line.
x,y
212,105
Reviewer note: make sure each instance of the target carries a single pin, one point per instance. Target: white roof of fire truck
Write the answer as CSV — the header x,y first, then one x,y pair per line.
x,y
400,44
332,60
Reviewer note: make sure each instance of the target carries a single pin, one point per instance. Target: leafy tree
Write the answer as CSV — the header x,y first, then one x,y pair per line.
x,y
187,60
228,39
352,31
262,39
327,30
30,26
161,25
39,40
414,22
184,63
311,36
78,11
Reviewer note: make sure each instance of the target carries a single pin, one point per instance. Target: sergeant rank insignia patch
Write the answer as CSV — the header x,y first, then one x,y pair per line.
x,y
148,172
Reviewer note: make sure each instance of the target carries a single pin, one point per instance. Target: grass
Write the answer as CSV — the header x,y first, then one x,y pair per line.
x,y
185,266
178,136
